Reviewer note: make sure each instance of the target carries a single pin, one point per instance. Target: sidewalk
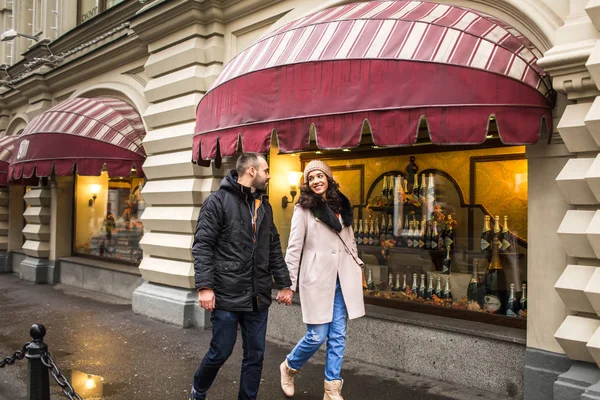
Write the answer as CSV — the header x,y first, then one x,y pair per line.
x,y
144,359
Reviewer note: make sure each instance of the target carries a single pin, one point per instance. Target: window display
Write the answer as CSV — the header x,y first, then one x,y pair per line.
x,y
443,232
107,217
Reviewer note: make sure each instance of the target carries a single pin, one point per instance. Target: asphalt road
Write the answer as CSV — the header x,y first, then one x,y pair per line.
x,y
138,358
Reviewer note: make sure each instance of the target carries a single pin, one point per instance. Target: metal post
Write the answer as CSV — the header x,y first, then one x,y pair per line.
x,y
38,387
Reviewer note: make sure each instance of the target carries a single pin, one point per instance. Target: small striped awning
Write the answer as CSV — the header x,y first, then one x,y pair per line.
x,y
82,134
381,66
7,145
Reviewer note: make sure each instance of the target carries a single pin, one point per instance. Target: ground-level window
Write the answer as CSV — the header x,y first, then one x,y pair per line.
x,y
107,220
441,230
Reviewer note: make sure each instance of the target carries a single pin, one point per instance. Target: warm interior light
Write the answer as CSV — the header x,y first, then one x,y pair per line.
x,y
90,383
345,149
96,189
294,178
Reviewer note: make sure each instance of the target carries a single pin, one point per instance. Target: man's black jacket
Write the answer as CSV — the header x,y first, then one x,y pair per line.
x,y
229,256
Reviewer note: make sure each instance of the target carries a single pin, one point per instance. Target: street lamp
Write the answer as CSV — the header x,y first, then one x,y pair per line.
x,y
12,34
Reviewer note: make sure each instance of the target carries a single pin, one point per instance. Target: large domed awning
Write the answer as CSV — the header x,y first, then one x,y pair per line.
x,y
87,133
382,66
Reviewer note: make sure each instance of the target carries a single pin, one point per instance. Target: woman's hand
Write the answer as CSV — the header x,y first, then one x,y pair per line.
x,y
285,296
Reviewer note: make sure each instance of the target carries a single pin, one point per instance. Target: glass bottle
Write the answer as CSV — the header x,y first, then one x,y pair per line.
x,y
366,237
435,237
486,236
446,263
370,283
356,231
422,236
417,238
497,230
390,229
390,281
376,234
404,286
428,236
473,289
511,304
423,189
416,190
438,287
447,294
422,287
371,234
431,189
495,282
382,231
403,239
429,293
415,285
449,237
505,237
523,302
397,287
361,232
410,236
384,190
406,186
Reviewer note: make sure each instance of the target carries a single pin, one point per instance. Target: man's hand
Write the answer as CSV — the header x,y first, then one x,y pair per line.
x,y
285,296
206,299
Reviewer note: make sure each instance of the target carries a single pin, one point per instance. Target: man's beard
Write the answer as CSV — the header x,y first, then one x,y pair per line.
x,y
260,184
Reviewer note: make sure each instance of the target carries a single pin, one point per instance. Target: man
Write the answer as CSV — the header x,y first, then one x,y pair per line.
x,y
237,254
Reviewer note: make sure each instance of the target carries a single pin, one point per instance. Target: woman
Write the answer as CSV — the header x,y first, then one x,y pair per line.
x,y
330,278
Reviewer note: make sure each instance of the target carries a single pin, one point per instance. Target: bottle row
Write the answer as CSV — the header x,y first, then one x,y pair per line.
x,y
424,234
479,296
397,188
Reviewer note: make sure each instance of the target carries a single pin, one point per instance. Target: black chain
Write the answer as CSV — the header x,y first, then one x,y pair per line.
x,y
18,355
66,387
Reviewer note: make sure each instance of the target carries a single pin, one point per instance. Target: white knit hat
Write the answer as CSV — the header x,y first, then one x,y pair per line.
x,y
317,165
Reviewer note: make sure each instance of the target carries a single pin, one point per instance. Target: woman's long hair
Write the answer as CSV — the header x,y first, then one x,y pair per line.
x,y
309,199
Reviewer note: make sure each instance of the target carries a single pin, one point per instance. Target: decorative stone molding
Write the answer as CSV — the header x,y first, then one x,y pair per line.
x,y
592,289
574,334
573,184
573,130
571,285
572,233
4,215
37,215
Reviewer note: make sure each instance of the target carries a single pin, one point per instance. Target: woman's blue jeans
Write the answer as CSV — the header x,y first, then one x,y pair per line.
x,y
335,334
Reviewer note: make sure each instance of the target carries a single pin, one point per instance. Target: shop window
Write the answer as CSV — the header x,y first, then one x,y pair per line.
x,y
90,8
107,223
441,232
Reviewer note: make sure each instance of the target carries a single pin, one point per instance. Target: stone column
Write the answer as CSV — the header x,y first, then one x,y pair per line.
x,y
4,229
185,57
16,207
61,223
37,235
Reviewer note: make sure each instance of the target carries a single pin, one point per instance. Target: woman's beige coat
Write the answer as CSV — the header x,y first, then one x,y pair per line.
x,y
315,258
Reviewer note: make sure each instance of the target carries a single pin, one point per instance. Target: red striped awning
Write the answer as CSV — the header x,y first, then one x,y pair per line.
x,y
87,133
7,145
386,64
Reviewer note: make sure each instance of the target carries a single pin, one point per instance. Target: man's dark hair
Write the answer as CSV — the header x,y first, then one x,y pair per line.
x,y
246,161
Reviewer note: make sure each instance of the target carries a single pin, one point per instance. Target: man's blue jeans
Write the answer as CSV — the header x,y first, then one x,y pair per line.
x,y
335,334
224,334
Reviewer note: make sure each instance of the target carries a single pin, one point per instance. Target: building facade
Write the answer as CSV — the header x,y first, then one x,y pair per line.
x,y
98,115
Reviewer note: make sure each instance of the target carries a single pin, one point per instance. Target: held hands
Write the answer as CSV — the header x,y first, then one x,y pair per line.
x,y
206,299
285,296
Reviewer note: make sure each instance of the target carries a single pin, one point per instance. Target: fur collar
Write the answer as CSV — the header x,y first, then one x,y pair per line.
x,y
326,215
